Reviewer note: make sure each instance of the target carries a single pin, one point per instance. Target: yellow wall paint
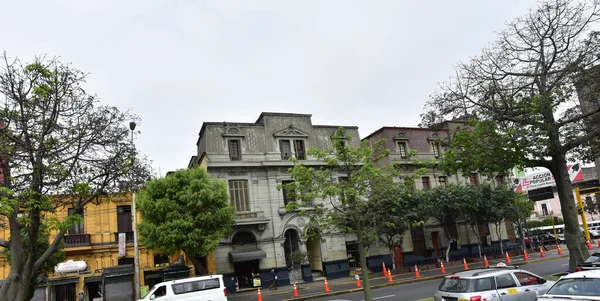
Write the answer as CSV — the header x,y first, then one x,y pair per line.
x,y
100,222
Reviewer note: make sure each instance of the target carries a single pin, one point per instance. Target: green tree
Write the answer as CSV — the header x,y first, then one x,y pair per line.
x,y
399,209
479,210
519,208
340,206
186,210
525,85
54,139
447,206
591,205
500,199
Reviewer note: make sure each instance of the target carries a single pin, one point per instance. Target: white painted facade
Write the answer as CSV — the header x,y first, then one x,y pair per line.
x,y
263,168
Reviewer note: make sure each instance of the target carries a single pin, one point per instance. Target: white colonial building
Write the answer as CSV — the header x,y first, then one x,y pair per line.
x,y
253,159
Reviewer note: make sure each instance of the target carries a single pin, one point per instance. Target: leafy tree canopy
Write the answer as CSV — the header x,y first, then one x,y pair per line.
x,y
186,210
58,148
337,204
535,90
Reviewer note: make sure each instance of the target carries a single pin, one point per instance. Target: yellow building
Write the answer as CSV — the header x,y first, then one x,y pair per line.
x,y
104,241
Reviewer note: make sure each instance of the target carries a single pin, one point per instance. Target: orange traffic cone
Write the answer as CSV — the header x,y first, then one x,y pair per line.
x,y
525,256
465,266
296,290
443,268
389,273
417,274
542,254
485,262
383,270
507,258
357,280
559,250
326,286
589,245
259,295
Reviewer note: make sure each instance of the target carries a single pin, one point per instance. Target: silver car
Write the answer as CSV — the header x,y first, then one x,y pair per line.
x,y
505,283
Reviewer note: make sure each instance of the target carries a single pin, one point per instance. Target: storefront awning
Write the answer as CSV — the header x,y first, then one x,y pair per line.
x,y
247,256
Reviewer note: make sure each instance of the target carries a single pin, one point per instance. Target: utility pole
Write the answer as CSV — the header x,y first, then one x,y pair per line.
x,y
136,257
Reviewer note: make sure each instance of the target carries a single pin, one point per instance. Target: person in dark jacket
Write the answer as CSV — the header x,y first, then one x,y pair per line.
x,y
274,284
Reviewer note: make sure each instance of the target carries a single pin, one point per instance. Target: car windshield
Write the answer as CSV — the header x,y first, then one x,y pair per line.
x,y
576,287
594,257
458,285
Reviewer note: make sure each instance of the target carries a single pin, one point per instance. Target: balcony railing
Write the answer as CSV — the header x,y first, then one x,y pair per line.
x,y
128,237
76,240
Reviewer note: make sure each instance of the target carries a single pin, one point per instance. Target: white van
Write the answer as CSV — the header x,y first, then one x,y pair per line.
x,y
209,288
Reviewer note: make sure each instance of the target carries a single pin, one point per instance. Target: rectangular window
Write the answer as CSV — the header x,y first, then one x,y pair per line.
x,y
402,149
286,149
474,178
299,149
500,180
196,286
426,183
288,197
234,150
436,149
239,196
544,209
77,228
124,219
443,180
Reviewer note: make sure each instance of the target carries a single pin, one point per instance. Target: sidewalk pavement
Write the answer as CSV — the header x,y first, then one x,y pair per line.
x,y
311,290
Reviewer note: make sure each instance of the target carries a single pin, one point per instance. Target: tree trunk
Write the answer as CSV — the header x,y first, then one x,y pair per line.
x,y
521,233
199,265
499,232
16,285
393,259
364,270
575,242
475,230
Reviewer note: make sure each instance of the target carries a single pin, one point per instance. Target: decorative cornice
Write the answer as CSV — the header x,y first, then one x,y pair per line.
x,y
233,131
291,131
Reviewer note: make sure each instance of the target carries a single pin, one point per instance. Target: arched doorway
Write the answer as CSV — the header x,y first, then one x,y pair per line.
x,y
290,246
313,248
245,266
293,257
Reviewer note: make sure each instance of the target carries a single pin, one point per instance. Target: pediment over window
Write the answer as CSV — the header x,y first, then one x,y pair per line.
x,y
233,131
291,131
434,136
402,135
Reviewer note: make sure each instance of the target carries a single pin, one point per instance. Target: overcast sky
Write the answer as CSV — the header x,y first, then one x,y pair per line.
x,y
177,64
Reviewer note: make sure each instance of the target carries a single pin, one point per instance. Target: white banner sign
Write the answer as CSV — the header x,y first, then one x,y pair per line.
x,y
122,245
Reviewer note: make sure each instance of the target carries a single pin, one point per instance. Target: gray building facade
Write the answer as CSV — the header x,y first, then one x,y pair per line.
x,y
252,158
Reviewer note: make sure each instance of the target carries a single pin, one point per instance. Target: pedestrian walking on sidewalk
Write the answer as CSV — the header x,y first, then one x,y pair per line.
x,y
274,284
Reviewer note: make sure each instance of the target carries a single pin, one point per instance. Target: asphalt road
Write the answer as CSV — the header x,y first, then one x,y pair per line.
x,y
426,289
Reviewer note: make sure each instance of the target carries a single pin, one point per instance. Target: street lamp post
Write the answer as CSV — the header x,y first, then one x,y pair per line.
x,y
136,257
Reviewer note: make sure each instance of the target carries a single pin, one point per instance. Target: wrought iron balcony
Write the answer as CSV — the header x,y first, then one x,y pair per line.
x,y
128,237
77,240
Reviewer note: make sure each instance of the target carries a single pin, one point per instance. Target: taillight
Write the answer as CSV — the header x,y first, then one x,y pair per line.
x,y
578,269
454,277
475,298
225,292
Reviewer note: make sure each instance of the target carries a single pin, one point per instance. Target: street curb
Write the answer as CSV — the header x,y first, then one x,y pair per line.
x,y
322,295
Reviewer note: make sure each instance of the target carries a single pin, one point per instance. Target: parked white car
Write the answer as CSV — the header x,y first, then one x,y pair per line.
x,y
583,285
505,283
196,288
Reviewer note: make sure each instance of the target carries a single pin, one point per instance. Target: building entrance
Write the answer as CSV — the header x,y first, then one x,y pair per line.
x,y
245,272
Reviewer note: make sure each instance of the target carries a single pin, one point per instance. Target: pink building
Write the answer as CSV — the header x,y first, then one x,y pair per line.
x,y
540,186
